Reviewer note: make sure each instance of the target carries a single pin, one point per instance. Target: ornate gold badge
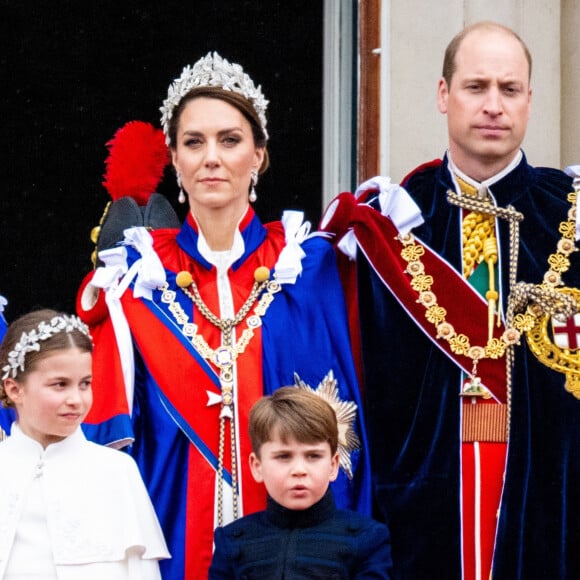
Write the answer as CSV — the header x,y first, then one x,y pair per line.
x,y
348,440
554,340
555,344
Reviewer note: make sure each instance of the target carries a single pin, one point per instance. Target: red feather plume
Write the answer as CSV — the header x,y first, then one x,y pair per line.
x,y
137,159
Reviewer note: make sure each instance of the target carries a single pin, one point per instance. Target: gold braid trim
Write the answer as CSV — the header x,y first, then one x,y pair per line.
x,y
224,357
476,229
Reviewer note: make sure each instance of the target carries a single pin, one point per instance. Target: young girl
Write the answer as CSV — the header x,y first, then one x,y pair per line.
x,y
69,508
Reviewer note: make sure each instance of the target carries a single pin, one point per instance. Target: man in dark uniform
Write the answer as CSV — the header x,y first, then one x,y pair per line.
x,y
474,428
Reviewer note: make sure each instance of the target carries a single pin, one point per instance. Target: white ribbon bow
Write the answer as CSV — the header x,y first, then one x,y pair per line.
x,y
111,278
149,270
108,276
115,277
395,203
289,264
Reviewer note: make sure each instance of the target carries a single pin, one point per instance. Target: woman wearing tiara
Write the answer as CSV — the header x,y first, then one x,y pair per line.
x,y
193,325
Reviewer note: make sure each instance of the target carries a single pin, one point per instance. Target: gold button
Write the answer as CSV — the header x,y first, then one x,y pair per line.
x,y
183,279
261,274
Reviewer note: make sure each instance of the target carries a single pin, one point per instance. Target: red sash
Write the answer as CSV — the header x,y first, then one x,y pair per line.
x,y
376,237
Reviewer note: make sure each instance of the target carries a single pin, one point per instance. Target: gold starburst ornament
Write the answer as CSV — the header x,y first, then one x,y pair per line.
x,y
348,440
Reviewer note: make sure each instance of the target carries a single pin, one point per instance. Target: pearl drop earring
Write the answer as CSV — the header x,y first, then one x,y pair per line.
x,y
181,198
253,195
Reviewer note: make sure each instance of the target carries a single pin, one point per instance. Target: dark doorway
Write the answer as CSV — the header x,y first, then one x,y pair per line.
x,y
74,72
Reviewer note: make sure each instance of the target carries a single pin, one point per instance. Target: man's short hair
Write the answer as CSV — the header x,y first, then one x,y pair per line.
x,y
449,61
293,413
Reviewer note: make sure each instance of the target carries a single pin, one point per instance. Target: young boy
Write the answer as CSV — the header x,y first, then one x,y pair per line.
x,y
301,534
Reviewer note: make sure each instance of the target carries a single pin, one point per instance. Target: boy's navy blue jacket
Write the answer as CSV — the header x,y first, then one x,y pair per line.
x,y
319,542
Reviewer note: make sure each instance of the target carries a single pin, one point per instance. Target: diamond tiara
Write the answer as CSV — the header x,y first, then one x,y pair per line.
x,y
29,341
213,71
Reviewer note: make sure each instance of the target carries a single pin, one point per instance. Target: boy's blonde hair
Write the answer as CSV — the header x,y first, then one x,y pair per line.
x,y
293,413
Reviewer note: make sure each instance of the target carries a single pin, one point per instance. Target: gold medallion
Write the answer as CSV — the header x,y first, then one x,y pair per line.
x,y
541,341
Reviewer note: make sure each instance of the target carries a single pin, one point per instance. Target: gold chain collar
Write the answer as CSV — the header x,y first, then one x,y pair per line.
x,y
533,301
224,356
459,343
536,299
565,305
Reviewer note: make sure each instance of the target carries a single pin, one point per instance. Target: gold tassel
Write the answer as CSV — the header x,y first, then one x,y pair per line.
x,y
492,296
